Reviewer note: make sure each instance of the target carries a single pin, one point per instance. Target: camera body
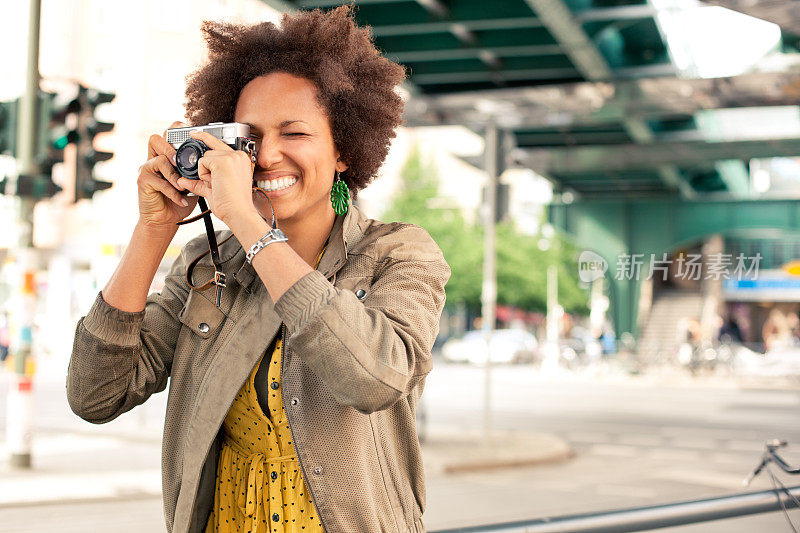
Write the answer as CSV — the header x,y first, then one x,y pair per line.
x,y
189,150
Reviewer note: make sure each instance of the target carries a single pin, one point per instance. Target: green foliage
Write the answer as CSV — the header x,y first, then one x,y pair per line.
x,y
521,265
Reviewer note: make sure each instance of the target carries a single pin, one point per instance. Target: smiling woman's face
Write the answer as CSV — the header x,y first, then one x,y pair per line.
x,y
295,146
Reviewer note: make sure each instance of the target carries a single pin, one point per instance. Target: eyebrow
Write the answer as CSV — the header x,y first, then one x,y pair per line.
x,y
282,124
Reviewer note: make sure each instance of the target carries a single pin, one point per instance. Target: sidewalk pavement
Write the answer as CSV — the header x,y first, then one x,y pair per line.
x,y
93,463
77,461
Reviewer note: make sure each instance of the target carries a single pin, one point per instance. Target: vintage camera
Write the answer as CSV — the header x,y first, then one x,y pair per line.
x,y
189,150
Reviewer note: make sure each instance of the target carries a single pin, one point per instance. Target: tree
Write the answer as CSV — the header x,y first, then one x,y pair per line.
x,y
521,265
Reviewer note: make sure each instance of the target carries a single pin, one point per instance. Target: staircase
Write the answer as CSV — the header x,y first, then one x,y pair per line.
x,y
659,336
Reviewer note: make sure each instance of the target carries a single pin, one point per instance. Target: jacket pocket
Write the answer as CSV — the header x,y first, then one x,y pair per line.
x,y
201,316
389,487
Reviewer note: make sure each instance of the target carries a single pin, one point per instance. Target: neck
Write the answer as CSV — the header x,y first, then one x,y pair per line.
x,y
307,236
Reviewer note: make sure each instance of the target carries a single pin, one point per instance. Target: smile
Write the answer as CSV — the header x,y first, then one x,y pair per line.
x,y
276,184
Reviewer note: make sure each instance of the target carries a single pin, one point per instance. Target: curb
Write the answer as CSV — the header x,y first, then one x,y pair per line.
x,y
459,454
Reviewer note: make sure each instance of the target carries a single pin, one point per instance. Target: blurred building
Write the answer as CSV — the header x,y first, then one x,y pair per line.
x,y
142,51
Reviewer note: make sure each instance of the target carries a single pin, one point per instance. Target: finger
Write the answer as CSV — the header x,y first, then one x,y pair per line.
x,y
210,141
158,145
212,158
197,187
169,191
164,167
203,169
207,164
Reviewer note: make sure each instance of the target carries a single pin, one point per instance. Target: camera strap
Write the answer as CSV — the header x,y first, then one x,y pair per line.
x,y
218,280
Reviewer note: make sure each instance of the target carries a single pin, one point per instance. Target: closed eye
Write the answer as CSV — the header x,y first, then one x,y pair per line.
x,y
295,134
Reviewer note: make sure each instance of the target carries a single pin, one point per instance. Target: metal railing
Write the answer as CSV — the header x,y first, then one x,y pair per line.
x,y
780,498
648,518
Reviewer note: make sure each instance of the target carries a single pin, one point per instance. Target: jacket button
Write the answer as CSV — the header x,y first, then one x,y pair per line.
x,y
317,470
294,401
274,475
275,517
275,385
203,327
361,294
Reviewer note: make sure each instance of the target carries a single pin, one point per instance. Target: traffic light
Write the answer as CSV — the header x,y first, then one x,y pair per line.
x,y
38,187
87,156
8,127
55,130
52,136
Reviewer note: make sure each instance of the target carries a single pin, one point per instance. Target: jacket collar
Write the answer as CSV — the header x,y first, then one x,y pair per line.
x,y
346,232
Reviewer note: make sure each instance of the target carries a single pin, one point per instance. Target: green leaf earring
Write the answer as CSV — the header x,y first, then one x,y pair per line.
x,y
340,196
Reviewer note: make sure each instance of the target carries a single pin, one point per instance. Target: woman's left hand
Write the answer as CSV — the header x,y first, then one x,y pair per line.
x,y
226,179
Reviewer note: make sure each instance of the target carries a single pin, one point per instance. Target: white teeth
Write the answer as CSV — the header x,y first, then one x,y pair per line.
x,y
276,185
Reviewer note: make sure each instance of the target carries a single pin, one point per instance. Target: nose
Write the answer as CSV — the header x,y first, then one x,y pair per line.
x,y
269,153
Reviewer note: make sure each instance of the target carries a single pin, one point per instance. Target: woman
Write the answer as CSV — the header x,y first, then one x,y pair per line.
x,y
292,404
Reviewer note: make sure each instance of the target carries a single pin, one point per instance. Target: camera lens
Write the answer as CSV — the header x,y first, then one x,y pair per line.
x,y
187,156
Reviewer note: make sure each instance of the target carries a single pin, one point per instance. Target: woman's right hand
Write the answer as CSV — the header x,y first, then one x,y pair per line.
x,y
161,204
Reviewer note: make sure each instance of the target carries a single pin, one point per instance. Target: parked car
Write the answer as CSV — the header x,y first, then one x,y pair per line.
x,y
506,346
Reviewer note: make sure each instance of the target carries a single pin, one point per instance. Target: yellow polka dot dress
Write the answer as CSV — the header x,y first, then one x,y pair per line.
x,y
260,487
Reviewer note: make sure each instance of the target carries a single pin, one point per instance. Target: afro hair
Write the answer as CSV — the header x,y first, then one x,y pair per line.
x,y
355,83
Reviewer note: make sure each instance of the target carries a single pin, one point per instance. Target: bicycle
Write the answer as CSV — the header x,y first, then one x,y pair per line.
x,y
771,456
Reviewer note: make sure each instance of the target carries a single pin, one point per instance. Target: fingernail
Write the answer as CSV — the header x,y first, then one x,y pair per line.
x,y
174,162
185,203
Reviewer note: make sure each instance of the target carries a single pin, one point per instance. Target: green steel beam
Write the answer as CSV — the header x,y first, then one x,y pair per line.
x,y
475,52
569,34
422,28
736,176
732,172
582,51
615,13
310,4
591,103
655,226
435,8
490,76
632,157
467,37
281,5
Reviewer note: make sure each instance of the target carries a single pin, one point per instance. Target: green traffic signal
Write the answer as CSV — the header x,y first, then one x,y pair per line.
x,y
8,127
60,123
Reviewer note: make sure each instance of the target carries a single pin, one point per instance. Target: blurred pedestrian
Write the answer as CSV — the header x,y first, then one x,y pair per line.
x,y
730,331
292,402
776,331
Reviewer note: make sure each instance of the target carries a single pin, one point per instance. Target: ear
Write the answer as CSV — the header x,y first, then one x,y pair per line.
x,y
341,166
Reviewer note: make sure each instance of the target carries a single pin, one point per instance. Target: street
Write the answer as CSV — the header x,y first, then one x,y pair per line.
x,y
638,441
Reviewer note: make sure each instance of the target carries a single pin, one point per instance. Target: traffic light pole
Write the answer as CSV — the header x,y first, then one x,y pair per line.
x,y
489,288
20,392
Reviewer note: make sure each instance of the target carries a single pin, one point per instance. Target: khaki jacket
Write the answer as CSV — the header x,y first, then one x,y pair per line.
x,y
358,338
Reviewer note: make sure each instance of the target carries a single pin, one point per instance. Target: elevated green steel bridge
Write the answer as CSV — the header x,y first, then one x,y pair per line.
x,y
587,94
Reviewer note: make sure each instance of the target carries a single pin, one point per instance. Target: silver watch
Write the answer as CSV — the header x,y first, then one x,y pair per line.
x,y
273,235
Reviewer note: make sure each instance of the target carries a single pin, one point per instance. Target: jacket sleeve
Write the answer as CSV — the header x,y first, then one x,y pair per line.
x,y
120,358
374,352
